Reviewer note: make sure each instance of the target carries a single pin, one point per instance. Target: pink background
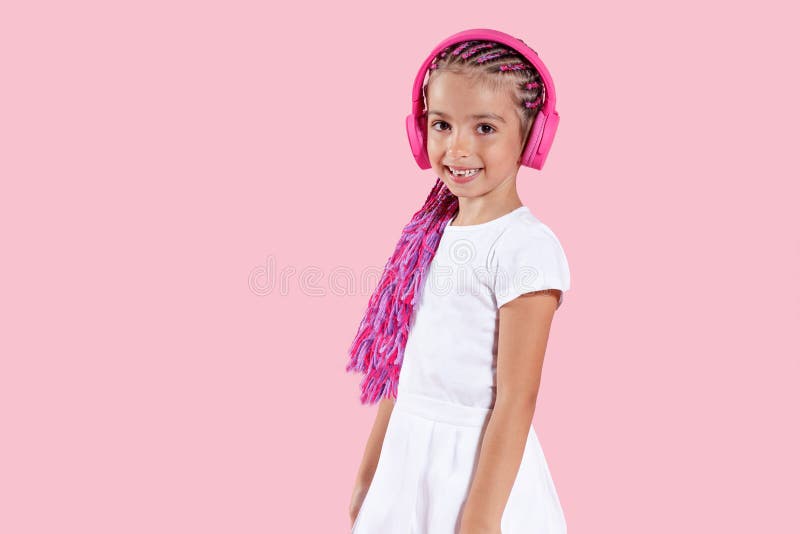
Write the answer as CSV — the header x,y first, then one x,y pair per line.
x,y
163,164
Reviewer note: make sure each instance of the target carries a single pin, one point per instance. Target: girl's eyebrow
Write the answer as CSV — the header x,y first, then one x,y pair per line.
x,y
479,116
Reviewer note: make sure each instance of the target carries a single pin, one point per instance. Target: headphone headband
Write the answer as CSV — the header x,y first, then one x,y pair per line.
x,y
544,126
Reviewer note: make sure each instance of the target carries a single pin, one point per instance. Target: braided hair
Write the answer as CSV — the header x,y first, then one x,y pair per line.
x,y
378,347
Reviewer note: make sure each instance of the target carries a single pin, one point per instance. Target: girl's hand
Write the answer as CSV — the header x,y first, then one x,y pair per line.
x,y
359,492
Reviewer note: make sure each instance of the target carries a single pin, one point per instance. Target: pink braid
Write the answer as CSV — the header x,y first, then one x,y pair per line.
x,y
475,48
377,350
515,66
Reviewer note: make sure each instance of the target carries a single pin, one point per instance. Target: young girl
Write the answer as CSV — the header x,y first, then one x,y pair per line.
x,y
453,339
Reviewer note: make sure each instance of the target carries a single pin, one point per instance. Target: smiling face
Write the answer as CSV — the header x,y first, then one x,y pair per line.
x,y
472,126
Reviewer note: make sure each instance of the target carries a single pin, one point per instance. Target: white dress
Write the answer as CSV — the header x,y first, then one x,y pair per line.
x,y
446,389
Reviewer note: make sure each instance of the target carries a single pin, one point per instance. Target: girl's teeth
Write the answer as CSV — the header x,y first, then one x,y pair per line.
x,y
469,172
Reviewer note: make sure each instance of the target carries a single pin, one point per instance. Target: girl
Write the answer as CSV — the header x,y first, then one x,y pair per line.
x,y
453,339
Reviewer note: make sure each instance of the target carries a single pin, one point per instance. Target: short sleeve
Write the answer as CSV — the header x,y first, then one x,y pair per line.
x,y
528,257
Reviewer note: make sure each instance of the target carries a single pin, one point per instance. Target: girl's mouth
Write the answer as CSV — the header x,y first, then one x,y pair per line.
x,y
462,178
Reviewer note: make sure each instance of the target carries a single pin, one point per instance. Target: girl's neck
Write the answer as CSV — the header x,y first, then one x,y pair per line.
x,y
470,213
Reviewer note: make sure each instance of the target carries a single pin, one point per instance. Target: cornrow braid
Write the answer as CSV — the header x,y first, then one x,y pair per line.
x,y
379,344
492,55
533,104
458,49
515,66
474,49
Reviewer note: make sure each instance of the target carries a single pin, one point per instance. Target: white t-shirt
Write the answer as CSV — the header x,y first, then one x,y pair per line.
x,y
451,351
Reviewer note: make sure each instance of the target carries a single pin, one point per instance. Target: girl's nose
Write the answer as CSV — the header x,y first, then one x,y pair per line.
x,y
460,145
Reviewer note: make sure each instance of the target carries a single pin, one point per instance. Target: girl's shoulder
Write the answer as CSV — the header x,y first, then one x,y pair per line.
x,y
526,232
528,256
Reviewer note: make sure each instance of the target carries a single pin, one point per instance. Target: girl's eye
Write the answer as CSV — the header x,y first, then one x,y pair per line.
x,y
491,128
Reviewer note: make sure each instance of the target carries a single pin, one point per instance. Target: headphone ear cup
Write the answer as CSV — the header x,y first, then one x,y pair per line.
x,y
417,139
540,140
533,140
548,134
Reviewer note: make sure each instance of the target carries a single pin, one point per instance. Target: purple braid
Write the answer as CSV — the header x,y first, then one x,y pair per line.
x,y
515,66
474,49
534,104
458,49
377,350
492,55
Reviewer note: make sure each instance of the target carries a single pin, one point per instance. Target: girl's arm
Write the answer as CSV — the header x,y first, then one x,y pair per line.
x,y
369,462
523,332
372,451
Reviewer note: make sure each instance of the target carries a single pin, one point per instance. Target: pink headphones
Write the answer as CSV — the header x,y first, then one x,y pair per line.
x,y
544,126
